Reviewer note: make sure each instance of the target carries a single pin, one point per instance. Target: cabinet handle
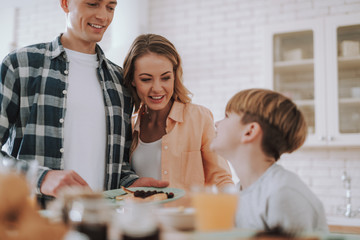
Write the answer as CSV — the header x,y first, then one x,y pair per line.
x,y
331,138
322,138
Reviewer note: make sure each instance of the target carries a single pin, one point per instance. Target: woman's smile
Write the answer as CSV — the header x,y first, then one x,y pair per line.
x,y
154,81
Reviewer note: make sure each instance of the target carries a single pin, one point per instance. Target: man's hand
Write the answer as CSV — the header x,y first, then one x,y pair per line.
x,y
149,182
55,180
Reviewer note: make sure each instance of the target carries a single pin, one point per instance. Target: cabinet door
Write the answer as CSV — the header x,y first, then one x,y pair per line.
x,y
297,71
343,76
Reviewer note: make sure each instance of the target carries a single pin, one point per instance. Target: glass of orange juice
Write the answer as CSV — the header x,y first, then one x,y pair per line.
x,y
214,209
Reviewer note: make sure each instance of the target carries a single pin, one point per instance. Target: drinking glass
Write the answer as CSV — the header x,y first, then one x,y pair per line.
x,y
90,215
214,209
138,222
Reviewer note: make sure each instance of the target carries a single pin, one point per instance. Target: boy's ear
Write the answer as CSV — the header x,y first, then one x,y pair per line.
x,y
64,5
251,132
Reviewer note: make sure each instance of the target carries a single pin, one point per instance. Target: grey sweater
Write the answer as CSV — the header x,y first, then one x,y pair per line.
x,y
280,198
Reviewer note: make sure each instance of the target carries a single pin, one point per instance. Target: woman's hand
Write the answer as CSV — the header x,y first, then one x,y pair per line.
x,y
55,180
150,182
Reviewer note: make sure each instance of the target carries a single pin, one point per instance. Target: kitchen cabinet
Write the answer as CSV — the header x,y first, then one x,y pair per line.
x,y
317,64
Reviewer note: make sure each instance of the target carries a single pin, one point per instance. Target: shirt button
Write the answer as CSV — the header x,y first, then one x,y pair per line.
x,y
61,120
166,147
66,72
61,150
165,172
64,92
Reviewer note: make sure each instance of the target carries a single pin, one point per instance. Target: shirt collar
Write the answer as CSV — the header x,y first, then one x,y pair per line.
x,y
176,114
57,49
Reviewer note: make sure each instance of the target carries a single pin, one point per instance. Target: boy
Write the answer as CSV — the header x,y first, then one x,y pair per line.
x,y
259,126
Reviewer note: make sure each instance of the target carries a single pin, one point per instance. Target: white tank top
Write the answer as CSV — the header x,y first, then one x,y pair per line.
x,y
84,125
146,159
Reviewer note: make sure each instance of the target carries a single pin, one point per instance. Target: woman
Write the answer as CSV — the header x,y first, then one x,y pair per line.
x,y
171,135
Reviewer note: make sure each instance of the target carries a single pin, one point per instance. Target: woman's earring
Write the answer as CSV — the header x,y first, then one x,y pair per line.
x,y
147,112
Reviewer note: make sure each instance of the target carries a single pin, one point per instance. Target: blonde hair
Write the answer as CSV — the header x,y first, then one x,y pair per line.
x,y
152,43
284,127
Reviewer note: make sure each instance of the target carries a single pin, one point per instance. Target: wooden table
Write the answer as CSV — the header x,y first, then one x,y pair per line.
x,y
344,229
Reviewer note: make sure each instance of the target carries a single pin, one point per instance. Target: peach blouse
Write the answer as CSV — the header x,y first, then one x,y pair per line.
x,y
186,158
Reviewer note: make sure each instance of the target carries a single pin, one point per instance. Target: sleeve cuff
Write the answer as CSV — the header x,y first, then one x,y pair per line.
x,y
129,180
41,175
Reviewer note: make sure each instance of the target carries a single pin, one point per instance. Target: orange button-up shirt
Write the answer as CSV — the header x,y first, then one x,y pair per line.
x,y
186,158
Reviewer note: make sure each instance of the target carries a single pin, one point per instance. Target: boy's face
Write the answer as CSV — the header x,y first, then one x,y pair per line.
x,y
228,134
87,20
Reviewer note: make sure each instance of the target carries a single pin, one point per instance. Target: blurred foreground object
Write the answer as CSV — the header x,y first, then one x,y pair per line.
x,y
26,169
19,219
177,218
214,208
83,211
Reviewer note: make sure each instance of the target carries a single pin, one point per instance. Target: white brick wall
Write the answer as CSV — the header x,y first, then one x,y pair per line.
x,y
41,21
221,43
321,169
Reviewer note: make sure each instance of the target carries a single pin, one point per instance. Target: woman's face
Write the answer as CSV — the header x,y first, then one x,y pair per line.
x,y
154,80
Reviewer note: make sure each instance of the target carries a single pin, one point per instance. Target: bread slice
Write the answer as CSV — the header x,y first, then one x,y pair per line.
x,y
143,196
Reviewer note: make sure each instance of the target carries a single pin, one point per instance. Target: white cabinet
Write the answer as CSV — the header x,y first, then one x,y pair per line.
x,y
317,64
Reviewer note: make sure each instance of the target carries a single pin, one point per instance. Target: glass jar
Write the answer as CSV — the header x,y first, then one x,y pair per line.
x,y
91,216
138,222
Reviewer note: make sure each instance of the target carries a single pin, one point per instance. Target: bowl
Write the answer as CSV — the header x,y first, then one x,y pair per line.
x,y
178,218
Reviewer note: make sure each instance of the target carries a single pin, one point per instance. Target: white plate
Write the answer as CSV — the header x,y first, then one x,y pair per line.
x,y
178,193
177,218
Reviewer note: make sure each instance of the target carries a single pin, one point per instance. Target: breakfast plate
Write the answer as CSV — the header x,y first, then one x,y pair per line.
x,y
112,194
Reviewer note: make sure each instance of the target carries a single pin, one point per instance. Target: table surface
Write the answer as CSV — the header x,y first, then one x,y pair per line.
x,y
237,234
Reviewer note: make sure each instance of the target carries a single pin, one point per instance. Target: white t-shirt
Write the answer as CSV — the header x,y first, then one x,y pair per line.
x,y
85,120
146,159
280,198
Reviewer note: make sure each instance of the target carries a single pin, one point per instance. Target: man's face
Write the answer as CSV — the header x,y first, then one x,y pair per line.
x,y
87,20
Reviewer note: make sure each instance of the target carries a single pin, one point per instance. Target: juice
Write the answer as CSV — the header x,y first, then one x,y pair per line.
x,y
214,212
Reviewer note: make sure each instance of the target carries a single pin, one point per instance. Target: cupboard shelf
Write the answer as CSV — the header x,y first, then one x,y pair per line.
x,y
303,63
302,103
296,65
349,62
349,100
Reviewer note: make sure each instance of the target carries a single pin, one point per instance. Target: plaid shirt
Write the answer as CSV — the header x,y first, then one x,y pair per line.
x,y
33,104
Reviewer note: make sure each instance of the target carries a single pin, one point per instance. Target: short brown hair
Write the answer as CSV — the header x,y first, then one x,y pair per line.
x,y
152,43
283,124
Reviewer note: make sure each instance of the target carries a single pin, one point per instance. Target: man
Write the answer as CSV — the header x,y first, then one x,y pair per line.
x,y
52,106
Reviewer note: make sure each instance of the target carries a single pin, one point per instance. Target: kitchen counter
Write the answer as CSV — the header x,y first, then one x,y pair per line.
x,y
342,224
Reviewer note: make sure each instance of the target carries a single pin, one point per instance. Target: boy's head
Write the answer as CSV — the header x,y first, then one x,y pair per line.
x,y
283,125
